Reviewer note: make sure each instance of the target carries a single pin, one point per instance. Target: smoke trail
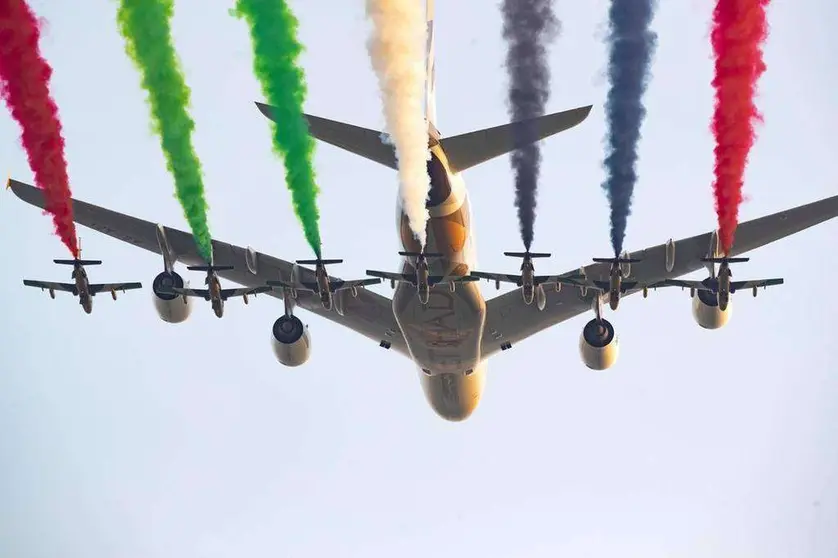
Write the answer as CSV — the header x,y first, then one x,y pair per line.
x,y
24,85
631,45
528,25
397,50
273,34
739,28
145,25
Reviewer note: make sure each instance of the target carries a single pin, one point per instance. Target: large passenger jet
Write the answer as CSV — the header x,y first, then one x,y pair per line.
x,y
451,337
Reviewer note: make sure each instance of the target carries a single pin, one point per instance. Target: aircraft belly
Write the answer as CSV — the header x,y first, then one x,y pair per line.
x,y
444,335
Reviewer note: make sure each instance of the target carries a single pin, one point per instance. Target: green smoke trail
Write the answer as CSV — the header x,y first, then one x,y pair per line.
x,y
145,25
273,34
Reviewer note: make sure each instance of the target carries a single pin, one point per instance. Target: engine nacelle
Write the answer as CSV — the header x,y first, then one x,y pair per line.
x,y
172,308
598,345
540,297
291,341
707,313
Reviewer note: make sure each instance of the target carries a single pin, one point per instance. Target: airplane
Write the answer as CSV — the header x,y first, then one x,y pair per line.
x,y
720,284
422,279
529,282
322,284
214,292
81,286
449,341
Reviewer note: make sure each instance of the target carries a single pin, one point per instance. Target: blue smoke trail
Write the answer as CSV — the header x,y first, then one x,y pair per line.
x,y
631,46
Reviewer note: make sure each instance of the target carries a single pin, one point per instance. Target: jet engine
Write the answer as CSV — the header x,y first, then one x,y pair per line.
x,y
172,308
706,311
598,344
291,341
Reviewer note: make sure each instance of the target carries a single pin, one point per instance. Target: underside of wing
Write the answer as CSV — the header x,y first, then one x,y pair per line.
x,y
761,283
65,287
369,314
509,320
108,287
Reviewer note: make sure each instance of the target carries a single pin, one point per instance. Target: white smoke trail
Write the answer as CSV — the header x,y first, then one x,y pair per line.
x,y
397,50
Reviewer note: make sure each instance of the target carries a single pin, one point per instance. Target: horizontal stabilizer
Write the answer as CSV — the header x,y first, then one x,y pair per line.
x,y
725,260
617,260
463,151
321,262
420,254
78,262
210,267
471,149
525,254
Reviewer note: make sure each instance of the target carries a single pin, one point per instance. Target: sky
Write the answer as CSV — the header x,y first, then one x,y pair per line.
x,y
127,437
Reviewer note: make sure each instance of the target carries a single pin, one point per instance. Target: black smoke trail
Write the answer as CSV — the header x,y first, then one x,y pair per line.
x,y
528,26
631,45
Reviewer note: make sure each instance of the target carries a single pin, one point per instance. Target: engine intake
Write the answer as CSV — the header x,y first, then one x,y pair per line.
x,y
291,341
598,345
707,313
171,307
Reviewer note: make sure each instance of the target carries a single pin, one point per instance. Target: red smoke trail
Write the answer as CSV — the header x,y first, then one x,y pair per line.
x,y
24,85
739,28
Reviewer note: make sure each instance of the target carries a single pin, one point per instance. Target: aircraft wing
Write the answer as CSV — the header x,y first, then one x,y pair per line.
x,y
436,279
108,287
516,279
231,293
401,277
197,293
370,314
341,285
737,285
66,287
509,320
684,284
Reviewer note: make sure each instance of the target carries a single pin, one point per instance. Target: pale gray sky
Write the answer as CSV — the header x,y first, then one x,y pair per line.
x,y
126,437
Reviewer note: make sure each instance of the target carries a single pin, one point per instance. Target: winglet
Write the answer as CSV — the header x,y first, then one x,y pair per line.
x,y
9,182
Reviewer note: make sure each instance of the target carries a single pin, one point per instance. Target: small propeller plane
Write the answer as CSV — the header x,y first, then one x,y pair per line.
x,y
719,283
528,280
323,285
422,279
214,292
81,286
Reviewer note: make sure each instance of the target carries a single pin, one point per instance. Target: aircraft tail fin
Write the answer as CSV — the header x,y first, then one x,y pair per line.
x,y
463,151
78,262
525,254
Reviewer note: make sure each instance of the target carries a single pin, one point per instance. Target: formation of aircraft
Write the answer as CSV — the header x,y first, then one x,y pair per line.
x,y
81,286
214,293
448,335
323,285
421,279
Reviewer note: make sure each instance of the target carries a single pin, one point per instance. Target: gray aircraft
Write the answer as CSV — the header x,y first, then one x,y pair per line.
x,y
530,283
422,279
450,340
81,286
214,293
719,284
323,285
617,284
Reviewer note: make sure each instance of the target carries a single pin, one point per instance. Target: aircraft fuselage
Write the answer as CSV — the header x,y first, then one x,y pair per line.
x,y
322,279
527,282
422,287
83,286
723,287
214,287
444,335
615,287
